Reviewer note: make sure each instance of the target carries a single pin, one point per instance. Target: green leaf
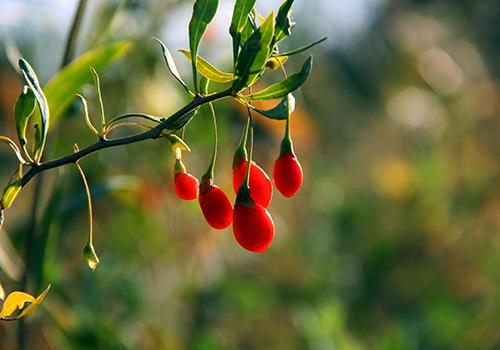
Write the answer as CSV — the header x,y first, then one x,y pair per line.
x,y
284,23
282,110
32,81
12,190
288,85
25,106
62,88
209,71
97,85
203,13
253,56
242,9
171,64
301,49
133,115
247,31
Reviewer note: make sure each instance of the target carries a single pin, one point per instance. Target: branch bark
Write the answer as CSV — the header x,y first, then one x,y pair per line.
x,y
103,143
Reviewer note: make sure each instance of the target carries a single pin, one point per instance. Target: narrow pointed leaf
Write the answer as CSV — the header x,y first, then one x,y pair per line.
x,y
282,109
242,9
97,85
301,49
32,81
34,304
253,57
24,109
171,64
203,13
288,85
62,88
284,23
208,70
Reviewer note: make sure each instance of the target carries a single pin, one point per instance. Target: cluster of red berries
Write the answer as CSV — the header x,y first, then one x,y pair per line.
x,y
253,226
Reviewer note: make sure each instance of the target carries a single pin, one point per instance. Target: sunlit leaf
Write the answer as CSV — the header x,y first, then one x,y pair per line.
x,y
171,64
252,58
12,189
284,23
203,13
281,111
242,9
288,85
209,71
2,291
17,301
24,109
43,125
62,88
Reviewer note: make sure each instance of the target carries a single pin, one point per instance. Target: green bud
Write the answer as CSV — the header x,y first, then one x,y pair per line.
x,y
90,256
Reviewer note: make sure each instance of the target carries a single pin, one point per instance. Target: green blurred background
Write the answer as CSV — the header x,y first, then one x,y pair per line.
x,y
393,242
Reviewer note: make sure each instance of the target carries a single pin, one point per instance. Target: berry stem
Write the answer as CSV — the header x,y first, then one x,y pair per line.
x,y
250,153
286,143
210,170
241,151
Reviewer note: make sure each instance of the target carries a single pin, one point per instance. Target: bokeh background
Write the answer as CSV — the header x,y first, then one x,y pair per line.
x,y
392,243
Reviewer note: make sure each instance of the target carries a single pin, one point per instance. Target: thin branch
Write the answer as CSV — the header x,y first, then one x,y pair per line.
x,y
101,144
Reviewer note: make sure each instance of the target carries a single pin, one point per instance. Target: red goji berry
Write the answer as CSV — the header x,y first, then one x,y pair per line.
x,y
261,188
287,174
186,186
215,205
253,226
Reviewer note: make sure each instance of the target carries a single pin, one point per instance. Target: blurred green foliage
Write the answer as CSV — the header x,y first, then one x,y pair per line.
x,y
393,243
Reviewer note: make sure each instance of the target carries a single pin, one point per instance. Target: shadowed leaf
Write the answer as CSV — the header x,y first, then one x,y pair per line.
x,y
281,111
253,56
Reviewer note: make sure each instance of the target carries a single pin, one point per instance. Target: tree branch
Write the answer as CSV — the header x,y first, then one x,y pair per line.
x,y
103,143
